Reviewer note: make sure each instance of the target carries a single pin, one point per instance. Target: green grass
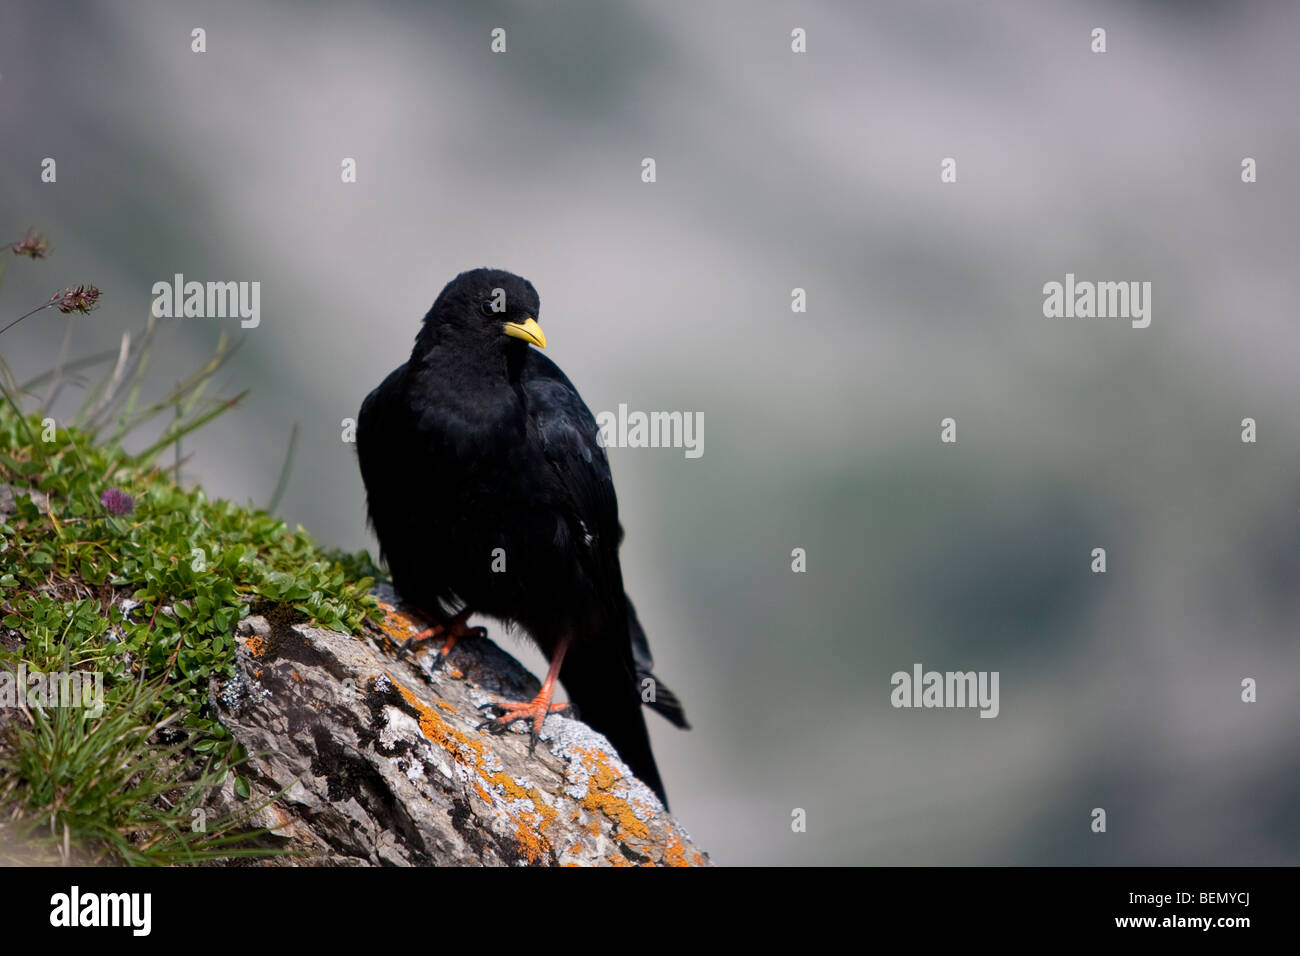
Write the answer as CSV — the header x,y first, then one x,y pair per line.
x,y
149,599
194,568
103,790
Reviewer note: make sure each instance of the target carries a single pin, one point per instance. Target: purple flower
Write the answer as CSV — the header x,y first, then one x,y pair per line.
x,y
81,299
33,245
117,502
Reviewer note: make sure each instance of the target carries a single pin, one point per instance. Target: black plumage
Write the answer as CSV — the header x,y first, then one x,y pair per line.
x,y
490,493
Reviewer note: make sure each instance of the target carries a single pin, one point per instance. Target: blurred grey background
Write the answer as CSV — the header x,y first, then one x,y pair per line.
x,y
777,171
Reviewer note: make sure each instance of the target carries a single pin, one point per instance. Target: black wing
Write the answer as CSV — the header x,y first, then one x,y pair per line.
x,y
571,444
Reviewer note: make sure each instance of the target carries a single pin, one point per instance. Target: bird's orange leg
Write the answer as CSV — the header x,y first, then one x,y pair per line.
x,y
451,632
535,709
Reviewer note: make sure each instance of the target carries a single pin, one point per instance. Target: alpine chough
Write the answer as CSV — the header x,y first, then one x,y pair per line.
x,y
490,493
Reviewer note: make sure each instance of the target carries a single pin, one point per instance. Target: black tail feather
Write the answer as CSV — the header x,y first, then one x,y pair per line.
x,y
663,701
659,698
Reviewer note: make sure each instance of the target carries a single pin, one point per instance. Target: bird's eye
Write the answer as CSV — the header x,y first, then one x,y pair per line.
x,y
486,308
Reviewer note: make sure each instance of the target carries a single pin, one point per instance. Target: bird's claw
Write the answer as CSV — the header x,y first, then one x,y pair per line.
x,y
535,711
444,652
452,633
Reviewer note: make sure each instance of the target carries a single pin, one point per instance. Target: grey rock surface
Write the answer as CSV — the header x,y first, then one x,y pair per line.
x,y
376,760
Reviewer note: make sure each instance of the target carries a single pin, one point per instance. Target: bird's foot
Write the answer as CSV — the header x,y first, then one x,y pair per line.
x,y
510,711
450,633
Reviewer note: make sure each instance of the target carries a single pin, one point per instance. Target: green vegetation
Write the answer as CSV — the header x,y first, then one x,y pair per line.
x,y
108,566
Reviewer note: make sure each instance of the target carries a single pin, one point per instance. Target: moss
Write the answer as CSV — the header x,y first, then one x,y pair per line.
x,y
190,567
153,588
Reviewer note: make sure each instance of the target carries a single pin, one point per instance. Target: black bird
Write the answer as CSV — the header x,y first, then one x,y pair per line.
x,y
490,493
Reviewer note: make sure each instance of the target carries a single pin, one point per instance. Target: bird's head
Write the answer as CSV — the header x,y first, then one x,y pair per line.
x,y
491,308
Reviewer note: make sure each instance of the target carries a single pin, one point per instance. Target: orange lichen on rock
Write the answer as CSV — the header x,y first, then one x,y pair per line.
x,y
436,729
530,825
396,626
546,813
533,843
599,797
675,853
256,646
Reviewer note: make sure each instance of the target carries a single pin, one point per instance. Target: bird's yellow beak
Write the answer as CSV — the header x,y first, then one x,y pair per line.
x,y
528,330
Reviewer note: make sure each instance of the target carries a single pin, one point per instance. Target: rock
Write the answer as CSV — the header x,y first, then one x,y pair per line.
x,y
380,762
8,499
